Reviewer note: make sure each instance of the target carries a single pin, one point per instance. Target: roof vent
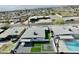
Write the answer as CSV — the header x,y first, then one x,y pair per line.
x,y
70,29
16,31
35,33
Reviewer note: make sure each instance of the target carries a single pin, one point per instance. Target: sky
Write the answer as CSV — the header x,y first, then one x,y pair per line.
x,y
16,7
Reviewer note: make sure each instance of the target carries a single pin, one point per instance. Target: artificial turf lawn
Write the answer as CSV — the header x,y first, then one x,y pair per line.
x,y
37,46
36,49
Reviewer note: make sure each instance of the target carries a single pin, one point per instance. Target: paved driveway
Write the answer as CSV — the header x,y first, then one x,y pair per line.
x,y
24,49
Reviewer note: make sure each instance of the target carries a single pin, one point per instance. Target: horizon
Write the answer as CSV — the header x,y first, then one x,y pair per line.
x,y
18,7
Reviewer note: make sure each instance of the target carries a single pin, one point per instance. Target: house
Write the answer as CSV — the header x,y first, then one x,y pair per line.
x,y
39,19
75,18
12,33
15,19
34,34
31,35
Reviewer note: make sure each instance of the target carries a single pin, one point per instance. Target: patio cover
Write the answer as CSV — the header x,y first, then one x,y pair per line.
x,y
66,37
25,40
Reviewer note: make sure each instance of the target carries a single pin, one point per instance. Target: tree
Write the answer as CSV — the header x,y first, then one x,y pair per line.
x,y
72,19
59,13
58,21
53,14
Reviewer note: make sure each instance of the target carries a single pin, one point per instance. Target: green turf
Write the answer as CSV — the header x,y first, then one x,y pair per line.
x,y
36,49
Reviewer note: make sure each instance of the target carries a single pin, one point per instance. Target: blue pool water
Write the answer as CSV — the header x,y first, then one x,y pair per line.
x,y
72,45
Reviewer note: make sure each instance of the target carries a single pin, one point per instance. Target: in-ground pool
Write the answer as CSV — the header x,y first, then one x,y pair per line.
x,y
72,45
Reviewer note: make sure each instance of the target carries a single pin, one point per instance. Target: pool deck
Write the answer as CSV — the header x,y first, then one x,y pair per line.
x,y
63,48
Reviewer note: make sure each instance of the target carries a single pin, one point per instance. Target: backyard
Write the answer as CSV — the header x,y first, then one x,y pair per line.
x,y
42,47
39,47
47,47
36,47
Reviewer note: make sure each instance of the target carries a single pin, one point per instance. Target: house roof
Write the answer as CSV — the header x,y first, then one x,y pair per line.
x,y
58,30
16,30
25,40
61,30
66,37
12,31
34,32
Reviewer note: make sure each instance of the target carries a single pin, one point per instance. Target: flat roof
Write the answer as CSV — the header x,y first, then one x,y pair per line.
x,y
75,30
16,30
40,39
36,17
66,37
25,40
64,30
61,30
29,33
12,31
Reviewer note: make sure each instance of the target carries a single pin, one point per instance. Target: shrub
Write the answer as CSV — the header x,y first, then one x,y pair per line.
x,y
58,21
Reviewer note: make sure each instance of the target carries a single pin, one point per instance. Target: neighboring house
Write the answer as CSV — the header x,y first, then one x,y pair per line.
x,y
66,38
12,34
39,19
15,19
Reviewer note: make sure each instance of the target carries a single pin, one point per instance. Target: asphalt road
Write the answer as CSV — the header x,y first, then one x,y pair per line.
x,y
40,24
34,24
